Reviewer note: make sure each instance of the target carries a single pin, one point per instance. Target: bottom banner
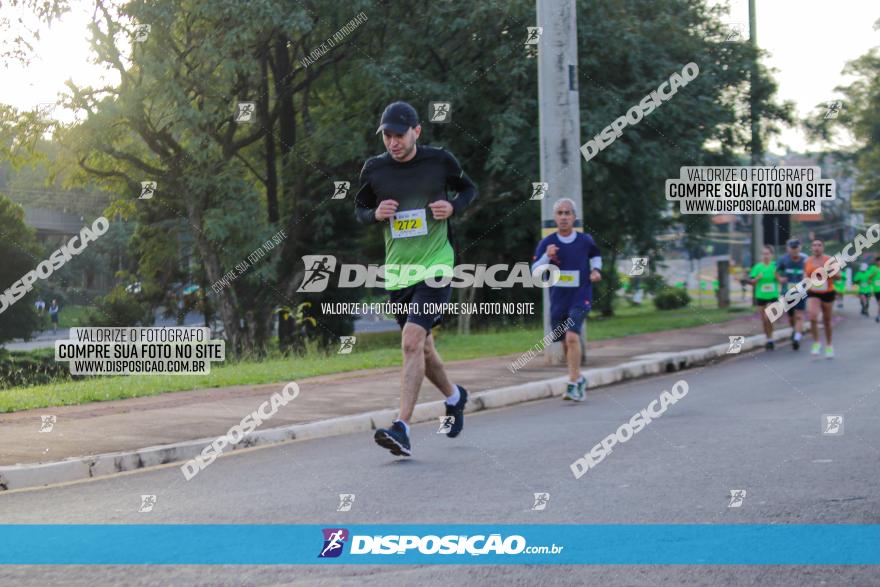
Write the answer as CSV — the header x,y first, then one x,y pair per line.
x,y
266,544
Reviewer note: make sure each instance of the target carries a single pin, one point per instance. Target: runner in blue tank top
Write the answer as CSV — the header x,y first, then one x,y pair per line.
x,y
579,262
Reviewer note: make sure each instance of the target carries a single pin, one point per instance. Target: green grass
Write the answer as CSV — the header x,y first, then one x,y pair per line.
x,y
373,350
72,316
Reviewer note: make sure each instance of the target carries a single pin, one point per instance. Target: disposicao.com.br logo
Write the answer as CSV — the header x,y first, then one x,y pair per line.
x,y
334,540
319,269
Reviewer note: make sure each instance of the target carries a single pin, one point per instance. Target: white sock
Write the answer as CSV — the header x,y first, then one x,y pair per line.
x,y
572,382
797,336
453,399
405,426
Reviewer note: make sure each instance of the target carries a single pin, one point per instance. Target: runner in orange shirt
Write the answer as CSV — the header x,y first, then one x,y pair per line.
x,y
820,296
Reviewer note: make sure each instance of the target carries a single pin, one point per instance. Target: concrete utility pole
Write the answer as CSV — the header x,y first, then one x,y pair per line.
x,y
756,150
560,124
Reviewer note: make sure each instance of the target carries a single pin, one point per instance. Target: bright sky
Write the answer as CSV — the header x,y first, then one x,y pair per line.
x,y
809,42
62,53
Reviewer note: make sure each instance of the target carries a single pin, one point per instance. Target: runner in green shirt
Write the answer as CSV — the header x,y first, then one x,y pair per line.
x,y
861,279
412,191
874,278
840,288
763,277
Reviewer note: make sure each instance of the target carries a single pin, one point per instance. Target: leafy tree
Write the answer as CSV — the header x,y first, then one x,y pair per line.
x,y
172,120
19,25
858,113
20,253
705,123
120,308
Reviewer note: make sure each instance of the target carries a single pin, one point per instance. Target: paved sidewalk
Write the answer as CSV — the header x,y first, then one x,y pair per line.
x,y
130,424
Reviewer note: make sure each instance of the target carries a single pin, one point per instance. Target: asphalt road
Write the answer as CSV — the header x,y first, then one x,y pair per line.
x,y
752,422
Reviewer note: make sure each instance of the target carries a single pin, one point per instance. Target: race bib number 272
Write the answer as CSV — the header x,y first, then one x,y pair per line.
x,y
409,223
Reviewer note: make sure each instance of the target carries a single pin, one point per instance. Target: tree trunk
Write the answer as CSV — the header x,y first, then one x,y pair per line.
x,y
269,140
227,303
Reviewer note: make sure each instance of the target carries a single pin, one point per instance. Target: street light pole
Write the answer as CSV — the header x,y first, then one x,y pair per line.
x,y
559,120
755,148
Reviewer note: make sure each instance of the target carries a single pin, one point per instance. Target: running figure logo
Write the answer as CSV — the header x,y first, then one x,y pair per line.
x,y
441,112
346,500
446,423
736,498
733,32
541,500
832,424
346,345
341,190
141,33
245,111
833,109
534,34
147,503
47,423
148,188
639,264
736,343
319,268
539,190
334,540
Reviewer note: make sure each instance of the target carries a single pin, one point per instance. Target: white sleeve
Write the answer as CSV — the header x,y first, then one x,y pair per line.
x,y
544,260
596,263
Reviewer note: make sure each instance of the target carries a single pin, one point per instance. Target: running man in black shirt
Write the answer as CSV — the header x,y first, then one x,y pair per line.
x,y
405,190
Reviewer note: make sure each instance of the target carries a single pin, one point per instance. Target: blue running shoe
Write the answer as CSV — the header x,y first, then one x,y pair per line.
x,y
581,389
394,439
571,392
457,411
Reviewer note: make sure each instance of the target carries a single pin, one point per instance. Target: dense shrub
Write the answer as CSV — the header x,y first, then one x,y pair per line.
x,y
654,283
671,298
120,308
25,369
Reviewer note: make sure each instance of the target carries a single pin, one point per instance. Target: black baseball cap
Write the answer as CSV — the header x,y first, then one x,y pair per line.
x,y
794,243
398,117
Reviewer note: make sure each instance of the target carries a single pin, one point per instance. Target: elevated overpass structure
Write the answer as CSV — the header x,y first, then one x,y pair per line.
x,y
53,223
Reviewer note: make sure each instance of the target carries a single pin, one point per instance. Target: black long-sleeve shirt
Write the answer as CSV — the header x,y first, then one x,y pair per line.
x,y
413,236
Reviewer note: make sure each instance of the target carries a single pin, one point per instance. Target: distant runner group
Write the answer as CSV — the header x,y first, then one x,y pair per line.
x,y
772,279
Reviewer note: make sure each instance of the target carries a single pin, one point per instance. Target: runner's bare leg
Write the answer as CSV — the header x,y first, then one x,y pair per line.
x,y
826,320
434,370
768,326
799,321
412,343
573,354
813,309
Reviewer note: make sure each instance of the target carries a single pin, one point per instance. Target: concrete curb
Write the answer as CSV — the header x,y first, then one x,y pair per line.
x,y
78,468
